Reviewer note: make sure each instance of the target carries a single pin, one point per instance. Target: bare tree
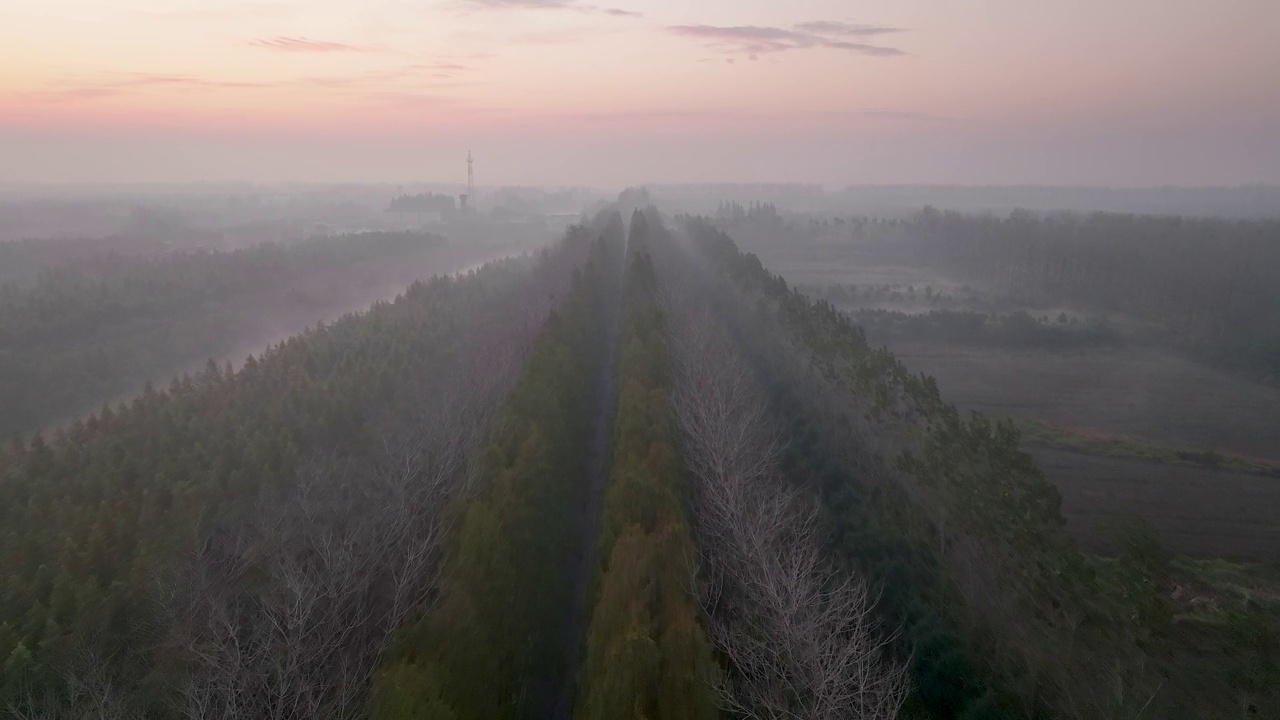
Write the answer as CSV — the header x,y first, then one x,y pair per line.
x,y
287,610
287,614
802,638
88,692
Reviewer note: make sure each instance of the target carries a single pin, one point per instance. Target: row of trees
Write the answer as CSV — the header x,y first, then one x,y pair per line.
x,y
1013,330
490,646
1006,617
731,211
288,612
243,543
23,261
346,525
802,637
396,515
77,337
647,652
1207,278
1212,284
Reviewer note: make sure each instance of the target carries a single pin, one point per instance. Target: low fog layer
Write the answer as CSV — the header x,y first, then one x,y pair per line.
x,y
629,359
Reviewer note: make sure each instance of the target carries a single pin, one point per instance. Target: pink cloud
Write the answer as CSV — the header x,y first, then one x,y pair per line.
x,y
284,43
756,39
828,27
550,5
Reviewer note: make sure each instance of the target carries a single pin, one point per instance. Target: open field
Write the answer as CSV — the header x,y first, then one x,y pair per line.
x,y
1197,511
1092,442
843,269
1136,394
1131,391
1190,449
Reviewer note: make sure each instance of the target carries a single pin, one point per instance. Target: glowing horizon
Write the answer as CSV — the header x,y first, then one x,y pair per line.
x,y
837,91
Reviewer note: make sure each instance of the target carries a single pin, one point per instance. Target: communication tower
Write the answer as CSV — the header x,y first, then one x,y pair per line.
x,y
471,179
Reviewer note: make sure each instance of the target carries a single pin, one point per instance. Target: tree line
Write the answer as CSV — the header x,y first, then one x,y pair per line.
x,y
1213,283
187,553
647,651
23,261
1013,330
1004,616
76,337
399,515
490,644
801,635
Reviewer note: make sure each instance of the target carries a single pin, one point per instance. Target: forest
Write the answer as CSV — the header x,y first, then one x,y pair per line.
x,y
154,552
81,332
635,474
1204,286
639,360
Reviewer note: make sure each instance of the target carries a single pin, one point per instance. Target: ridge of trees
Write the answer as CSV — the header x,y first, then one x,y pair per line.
x,y
23,261
802,637
1006,616
385,517
1204,278
647,653
489,644
77,337
103,525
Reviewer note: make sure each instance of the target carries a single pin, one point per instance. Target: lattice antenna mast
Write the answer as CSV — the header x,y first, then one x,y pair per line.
x,y
471,179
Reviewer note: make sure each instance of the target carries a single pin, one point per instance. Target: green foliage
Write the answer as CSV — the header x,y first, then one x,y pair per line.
x,y
1204,286
93,519
1138,577
1005,616
77,336
490,646
1214,283
22,262
404,690
1219,651
647,653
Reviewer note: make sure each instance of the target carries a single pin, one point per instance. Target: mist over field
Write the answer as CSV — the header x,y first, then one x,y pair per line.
x,y
547,359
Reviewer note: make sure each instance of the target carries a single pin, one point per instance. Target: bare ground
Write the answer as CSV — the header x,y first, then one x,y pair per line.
x,y
1196,511
1134,392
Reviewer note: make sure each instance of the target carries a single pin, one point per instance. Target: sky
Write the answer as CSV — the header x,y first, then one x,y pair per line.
x,y
614,92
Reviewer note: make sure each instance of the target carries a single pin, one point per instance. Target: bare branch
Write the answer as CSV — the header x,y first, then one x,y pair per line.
x,y
803,640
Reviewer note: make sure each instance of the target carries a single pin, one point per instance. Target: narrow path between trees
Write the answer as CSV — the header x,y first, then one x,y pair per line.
x,y
582,571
